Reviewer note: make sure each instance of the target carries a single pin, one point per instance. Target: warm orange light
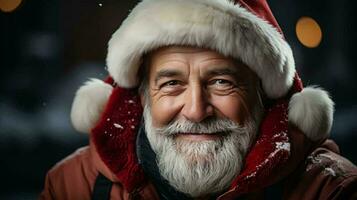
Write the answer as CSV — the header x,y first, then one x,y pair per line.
x,y
308,32
9,5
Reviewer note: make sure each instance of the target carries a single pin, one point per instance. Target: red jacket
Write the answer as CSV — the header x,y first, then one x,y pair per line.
x,y
281,155
323,174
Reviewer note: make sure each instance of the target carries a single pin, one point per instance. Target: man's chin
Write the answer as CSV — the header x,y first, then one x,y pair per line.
x,y
199,149
188,164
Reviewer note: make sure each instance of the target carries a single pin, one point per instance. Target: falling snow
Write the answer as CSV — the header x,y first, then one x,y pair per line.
x,y
329,157
315,160
330,171
100,4
283,146
131,101
118,126
329,164
251,175
262,164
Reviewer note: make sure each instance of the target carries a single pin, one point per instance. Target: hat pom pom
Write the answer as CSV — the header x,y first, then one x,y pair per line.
x,y
89,103
311,110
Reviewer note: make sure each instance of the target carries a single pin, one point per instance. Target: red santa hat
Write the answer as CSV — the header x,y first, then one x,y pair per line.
x,y
245,30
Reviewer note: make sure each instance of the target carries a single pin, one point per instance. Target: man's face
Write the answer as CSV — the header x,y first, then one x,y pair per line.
x,y
195,84
200,116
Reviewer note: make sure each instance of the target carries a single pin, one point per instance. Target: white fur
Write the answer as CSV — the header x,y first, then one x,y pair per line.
x,y
311,110
204,167
215,24
89,103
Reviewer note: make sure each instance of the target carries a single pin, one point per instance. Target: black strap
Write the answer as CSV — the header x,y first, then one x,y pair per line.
x,y
102,188
275,191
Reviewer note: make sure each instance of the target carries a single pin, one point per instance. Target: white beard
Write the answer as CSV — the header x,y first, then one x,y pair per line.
x,y
199,168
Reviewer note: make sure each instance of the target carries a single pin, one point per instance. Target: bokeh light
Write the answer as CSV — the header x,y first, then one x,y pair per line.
x,y
9,5
308,32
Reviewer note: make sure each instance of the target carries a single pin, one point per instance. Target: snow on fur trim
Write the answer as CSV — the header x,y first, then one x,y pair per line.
x,y
89,103
312,111
219,25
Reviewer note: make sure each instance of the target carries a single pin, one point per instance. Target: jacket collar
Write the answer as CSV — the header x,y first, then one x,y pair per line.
x,y
114,137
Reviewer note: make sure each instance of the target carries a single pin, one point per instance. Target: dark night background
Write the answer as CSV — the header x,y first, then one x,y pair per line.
x,y
49,48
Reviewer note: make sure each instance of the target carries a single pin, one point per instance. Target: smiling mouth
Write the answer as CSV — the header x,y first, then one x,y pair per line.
x,y
200,136
221,133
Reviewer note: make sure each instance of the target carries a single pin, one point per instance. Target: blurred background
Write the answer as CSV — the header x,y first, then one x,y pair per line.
x,y
49,48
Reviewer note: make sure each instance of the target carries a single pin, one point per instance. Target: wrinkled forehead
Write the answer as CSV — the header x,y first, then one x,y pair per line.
x,y
174,53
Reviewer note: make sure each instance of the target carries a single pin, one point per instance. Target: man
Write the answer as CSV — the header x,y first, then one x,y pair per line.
x,y
202,102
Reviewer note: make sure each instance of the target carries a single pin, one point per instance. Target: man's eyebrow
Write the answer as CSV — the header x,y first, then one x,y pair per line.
x,y
221,71
166,73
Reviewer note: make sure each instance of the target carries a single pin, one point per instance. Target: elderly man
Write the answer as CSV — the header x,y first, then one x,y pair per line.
x,y
202,102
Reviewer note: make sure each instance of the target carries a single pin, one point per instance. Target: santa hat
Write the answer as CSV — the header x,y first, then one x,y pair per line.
x,y
245,30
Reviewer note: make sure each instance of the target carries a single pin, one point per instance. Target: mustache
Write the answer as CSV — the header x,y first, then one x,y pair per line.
x,y
209,126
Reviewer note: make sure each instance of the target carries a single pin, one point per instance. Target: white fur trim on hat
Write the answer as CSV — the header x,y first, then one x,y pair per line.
x,y
311,110
215,24
89,103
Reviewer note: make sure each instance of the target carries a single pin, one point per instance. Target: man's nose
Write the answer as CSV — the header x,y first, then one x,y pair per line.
x,y
197,105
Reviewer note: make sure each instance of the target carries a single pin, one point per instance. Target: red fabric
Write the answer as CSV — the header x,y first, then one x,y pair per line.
x,y
297,85
270,151
110,81
115,134
260,8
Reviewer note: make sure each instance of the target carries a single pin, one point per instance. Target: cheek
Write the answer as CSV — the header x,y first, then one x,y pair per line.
x,y
233,107
164,110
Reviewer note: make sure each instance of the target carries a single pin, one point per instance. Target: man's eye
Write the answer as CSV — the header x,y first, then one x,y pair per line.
x,y
220,85
221,82
170,83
